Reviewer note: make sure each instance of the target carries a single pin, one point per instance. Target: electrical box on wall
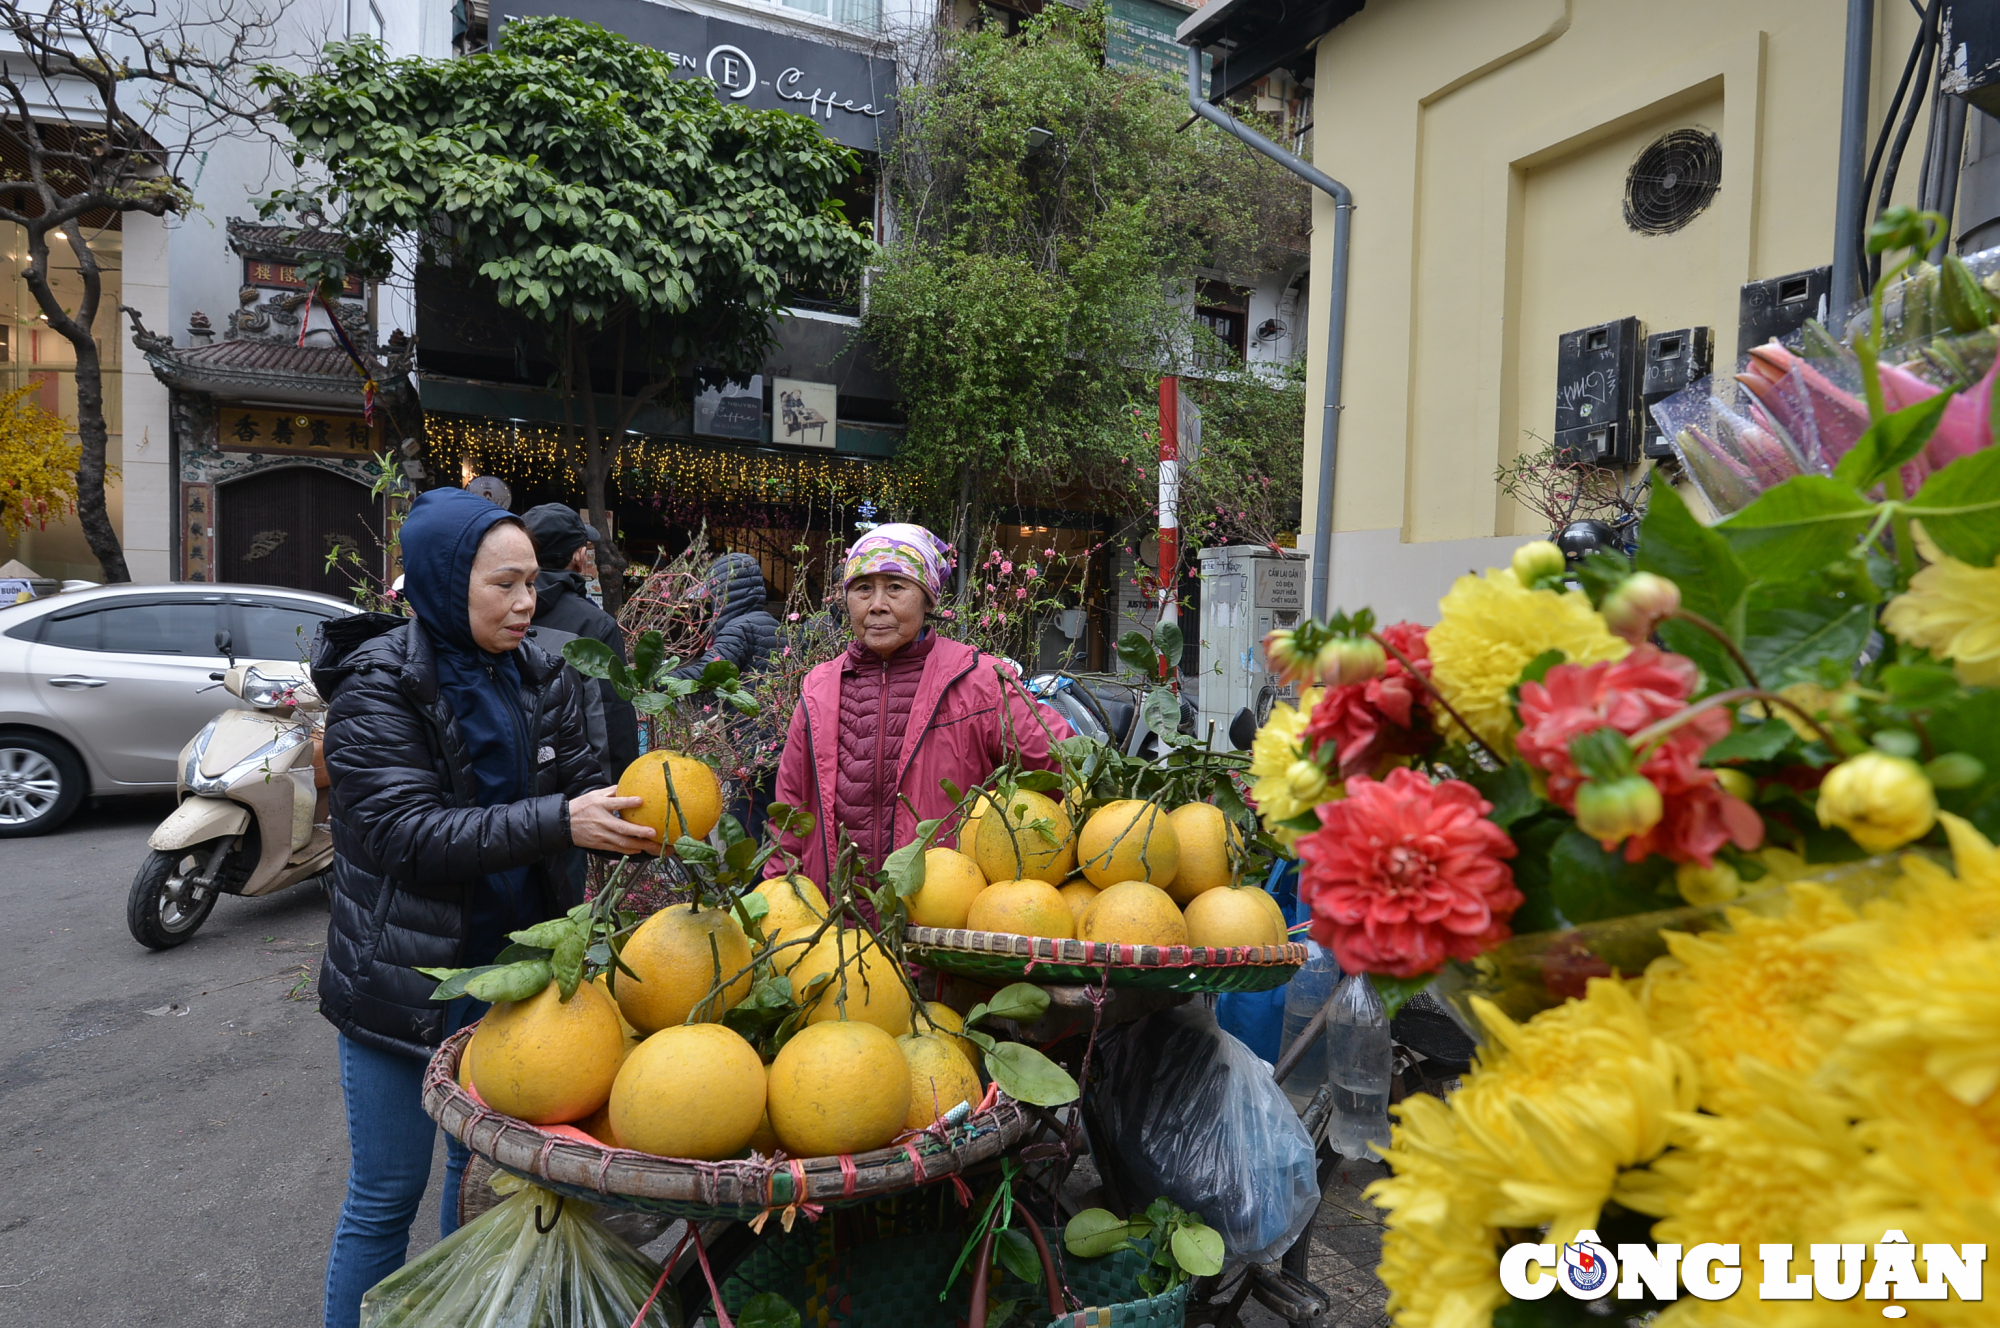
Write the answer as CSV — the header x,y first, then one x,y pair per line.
x,y
1776,307
1597,394
1674,360
1972,53
1247,590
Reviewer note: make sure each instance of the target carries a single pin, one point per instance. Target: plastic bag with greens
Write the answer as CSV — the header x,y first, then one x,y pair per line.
x,y
499,1271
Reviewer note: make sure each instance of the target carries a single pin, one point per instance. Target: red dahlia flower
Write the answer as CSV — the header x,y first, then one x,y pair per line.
x,y
1382,717
1628,695
1404,874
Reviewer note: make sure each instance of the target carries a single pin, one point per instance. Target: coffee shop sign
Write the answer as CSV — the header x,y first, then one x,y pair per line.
x,y
735,73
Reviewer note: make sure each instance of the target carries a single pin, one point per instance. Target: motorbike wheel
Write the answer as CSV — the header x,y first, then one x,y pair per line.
x,y
166,905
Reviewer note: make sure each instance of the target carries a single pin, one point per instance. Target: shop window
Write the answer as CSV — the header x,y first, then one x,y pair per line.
x,y
1224,312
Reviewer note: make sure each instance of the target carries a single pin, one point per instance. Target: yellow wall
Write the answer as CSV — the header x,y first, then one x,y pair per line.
x,y
1487,144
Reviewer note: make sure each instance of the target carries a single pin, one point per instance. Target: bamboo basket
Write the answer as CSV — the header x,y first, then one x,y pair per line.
x,y
567,1161
997,958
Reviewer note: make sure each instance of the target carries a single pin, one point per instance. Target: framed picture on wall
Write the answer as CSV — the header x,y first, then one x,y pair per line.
x,y
734,410
802,413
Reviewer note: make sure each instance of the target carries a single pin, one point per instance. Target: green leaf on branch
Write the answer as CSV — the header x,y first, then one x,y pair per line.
x,y
1023,1002
1589,884
451,981
1038,781
767,1309
1960,507
904,869
591,657
1026,1075
1798,526
1168,641
647,654
1396,992
1791,628
1137,650
511,982
1891,441
1096,1232
1016,1253
567,962
1538,668
1198,1250
718,675
544,935
1757,742
1694,557
1162,712
1510,789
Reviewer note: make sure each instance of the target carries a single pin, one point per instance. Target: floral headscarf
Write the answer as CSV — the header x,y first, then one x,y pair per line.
x,y
903,549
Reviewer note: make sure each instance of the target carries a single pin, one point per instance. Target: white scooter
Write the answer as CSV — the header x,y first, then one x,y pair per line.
x,y
253,812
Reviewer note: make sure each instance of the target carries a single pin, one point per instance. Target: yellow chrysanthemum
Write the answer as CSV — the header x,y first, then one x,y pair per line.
x,y
1755,989
1951,609
1489,628
1556,1115
1287,782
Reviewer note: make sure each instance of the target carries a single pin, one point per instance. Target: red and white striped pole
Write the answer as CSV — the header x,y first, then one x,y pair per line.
x,y
1170,498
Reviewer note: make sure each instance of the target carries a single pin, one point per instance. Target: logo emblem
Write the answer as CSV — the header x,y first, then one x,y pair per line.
x,y
732,70
1587,1270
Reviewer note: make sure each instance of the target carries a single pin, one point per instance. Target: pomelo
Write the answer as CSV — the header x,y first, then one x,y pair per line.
x,y
1129,840
1078,894
1231,917
876,992
940,1078
677,968
1133,913
1022,908
546,1060
1030,837
695,788
1207,838
1269,904
838,1087
797,908
950,881
948,1023
693,1090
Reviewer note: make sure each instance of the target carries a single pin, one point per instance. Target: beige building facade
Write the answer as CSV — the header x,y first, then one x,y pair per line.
x,y
1487,144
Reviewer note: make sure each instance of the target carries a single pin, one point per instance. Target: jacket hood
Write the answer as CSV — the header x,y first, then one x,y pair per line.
x,y
736,583
363,642
439,540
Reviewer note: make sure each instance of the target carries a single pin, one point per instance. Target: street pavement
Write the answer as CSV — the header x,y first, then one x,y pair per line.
x,y
176,1152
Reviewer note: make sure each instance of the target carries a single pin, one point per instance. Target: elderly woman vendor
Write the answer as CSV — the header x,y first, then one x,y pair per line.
x,y
901,709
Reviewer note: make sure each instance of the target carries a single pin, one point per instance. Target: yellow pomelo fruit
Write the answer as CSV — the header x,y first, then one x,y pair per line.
x,y
765,1140
1269,904
465,1064
695,788
1206,838
1022,908
677,968
693,1090
547,1060
1231,917
797,909
947,1023
950,881
940,1078
876,992
603,983
1078,894
1133,913
838,1087
968,828
598,1125
1129,840
1046,853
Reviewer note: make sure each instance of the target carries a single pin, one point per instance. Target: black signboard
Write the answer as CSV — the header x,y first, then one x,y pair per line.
x,y
849,95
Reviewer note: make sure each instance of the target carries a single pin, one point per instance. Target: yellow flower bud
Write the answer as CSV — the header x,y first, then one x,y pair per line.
x,y
1611,811
1305,781
1537,559
1702,886
1881,801
1737,783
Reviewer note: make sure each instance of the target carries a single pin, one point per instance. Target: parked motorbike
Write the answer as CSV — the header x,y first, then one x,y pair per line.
x,y
1106,707
252,817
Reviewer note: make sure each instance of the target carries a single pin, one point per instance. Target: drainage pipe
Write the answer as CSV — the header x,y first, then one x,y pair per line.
x,y
1336,321
1849,204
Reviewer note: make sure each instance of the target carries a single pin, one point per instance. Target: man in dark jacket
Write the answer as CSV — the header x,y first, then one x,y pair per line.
x,y
563,543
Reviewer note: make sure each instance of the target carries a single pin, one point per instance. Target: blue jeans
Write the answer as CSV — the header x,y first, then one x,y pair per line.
x,y
390,1140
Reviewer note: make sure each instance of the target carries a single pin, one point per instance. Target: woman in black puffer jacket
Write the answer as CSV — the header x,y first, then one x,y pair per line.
x,y
461,779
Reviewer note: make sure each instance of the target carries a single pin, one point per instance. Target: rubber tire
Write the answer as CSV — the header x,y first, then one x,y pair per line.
x,y
69,769
142,905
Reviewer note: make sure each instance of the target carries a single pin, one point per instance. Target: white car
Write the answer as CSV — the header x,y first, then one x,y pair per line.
x,y
100,689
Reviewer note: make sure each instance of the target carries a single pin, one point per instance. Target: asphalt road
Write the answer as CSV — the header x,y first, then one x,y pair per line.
x,y
175,1151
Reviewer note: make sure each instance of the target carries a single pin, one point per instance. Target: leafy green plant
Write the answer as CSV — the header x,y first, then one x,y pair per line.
x,y
1178,1244
648,681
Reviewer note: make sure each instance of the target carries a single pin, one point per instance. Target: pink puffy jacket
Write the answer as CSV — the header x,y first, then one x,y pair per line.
x,y
953,730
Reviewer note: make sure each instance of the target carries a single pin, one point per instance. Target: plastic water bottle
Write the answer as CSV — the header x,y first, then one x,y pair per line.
x,y
1359,1059
1304,995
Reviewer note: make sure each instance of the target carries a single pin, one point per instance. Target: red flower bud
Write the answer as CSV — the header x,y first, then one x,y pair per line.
x,y
1349,659
1638,605
1611,811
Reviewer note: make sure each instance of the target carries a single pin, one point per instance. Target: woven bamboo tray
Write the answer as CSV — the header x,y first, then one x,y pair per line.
x,y
998,957
741,1189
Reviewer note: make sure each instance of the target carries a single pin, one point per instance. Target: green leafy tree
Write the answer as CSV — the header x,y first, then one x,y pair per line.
x,y
648,227
1052,224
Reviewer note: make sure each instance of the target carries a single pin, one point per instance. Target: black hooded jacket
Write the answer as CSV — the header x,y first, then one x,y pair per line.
x,y
409,838
745,632
560,603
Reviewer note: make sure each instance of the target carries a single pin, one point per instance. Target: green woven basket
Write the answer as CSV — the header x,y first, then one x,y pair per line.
x,y
1109,1289
997,958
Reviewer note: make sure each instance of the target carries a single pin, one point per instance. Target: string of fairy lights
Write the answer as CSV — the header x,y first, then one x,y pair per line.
x,y
668,474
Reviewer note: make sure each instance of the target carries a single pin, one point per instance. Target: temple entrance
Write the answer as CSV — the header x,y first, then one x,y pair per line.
x,y
277,528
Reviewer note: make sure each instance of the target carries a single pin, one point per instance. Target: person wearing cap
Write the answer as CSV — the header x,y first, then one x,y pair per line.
x,y
900,710
563,543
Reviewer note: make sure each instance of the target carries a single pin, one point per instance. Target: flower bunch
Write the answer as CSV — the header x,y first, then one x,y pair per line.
x,y
1691,815
1363,724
